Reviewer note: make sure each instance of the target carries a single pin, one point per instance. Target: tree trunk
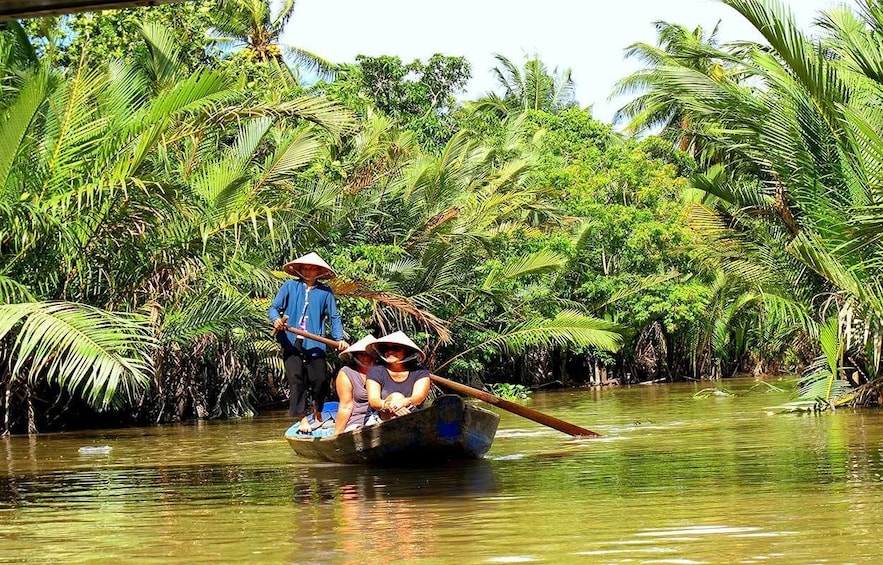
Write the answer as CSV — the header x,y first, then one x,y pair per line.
x,y
8,409
32,418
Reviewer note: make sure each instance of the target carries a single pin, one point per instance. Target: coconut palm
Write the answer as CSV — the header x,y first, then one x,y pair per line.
x,y
256,26
651,109
529,88
798,205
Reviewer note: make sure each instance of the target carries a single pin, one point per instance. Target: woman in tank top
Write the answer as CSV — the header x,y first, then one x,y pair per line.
x,y
399,383
350,384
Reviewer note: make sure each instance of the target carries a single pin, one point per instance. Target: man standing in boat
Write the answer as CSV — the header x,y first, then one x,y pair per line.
x,y
306,304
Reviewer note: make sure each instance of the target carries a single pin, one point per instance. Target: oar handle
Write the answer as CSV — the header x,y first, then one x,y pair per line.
x,y
312,336
523,411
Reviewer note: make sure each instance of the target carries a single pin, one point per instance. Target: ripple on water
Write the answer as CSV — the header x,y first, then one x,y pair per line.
x,y
697,530
511,457
521,433
674,480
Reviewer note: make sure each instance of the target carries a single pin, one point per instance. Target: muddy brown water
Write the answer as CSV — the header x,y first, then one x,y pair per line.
x,y
675,479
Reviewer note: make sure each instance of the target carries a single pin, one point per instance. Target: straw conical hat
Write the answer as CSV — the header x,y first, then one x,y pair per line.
x,y
359,347
293,267
398,338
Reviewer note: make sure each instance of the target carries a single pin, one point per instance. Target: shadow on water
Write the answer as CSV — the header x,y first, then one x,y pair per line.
x,y
326,482
352,514
223,484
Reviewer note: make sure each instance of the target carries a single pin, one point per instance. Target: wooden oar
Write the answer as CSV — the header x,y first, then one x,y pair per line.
x,y
314,337
523,411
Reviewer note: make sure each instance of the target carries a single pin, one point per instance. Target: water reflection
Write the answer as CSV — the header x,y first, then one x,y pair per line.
x,y
383,515
675,480
327,482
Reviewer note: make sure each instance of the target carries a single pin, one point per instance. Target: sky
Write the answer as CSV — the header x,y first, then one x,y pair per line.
x,y
587,36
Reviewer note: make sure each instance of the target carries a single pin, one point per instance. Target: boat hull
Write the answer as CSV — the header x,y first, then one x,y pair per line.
x,y
447,430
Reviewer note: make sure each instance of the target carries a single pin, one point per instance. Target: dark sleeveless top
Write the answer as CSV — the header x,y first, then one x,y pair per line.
x,y
380,374
360,398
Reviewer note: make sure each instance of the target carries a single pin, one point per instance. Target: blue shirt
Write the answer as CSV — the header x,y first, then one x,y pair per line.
x,y
320,304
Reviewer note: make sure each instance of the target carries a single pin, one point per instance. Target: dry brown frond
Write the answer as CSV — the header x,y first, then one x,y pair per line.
x,y
400,304
434,223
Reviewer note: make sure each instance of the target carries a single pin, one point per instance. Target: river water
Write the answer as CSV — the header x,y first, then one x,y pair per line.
x,y
676,479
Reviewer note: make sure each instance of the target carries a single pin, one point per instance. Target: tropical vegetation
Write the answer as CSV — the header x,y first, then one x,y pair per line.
x,y
158,166
787,195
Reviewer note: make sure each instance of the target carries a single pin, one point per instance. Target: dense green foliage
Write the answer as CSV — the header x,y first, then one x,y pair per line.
x,y
145,204
420,97
146,201
788,198
105,36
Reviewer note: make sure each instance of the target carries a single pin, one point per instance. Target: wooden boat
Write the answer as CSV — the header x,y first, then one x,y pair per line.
x,y
448,429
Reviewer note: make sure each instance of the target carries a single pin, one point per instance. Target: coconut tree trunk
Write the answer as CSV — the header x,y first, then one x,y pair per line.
x,y
32,417
7,405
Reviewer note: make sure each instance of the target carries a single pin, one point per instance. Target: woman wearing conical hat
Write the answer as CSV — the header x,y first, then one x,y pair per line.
x,y
306,304
399,383
350,384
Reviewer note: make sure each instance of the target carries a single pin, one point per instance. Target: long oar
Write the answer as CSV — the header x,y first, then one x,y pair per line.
x,y
523,411
314,337
515,408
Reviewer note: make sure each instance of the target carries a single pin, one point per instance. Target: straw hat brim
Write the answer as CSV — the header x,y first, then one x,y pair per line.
x,y
294,267
358,347
395,338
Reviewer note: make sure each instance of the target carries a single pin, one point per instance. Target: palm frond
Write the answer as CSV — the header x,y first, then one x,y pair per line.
x,y
567,329
12,291
293,153
214,311
536,263
312,61
89,352
17,120
821,379
324,112
162,62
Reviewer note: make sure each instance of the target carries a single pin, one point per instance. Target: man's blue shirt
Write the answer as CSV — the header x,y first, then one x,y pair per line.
x,y
321,305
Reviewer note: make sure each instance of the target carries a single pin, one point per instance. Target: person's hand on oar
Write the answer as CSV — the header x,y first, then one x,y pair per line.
x,y
281,324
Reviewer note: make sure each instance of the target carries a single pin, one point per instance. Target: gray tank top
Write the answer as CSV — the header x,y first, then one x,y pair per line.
x,y
360,398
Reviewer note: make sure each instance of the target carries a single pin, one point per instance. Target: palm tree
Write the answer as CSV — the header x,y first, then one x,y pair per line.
x,y
794,209
529,88
256,26
135,221
442,212
652,109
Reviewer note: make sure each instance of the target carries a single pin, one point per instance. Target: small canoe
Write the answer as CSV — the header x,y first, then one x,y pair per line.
x,y
448,429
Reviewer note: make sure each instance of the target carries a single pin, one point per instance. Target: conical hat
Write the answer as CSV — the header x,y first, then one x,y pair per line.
x,y
398,338
293,267
359,347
